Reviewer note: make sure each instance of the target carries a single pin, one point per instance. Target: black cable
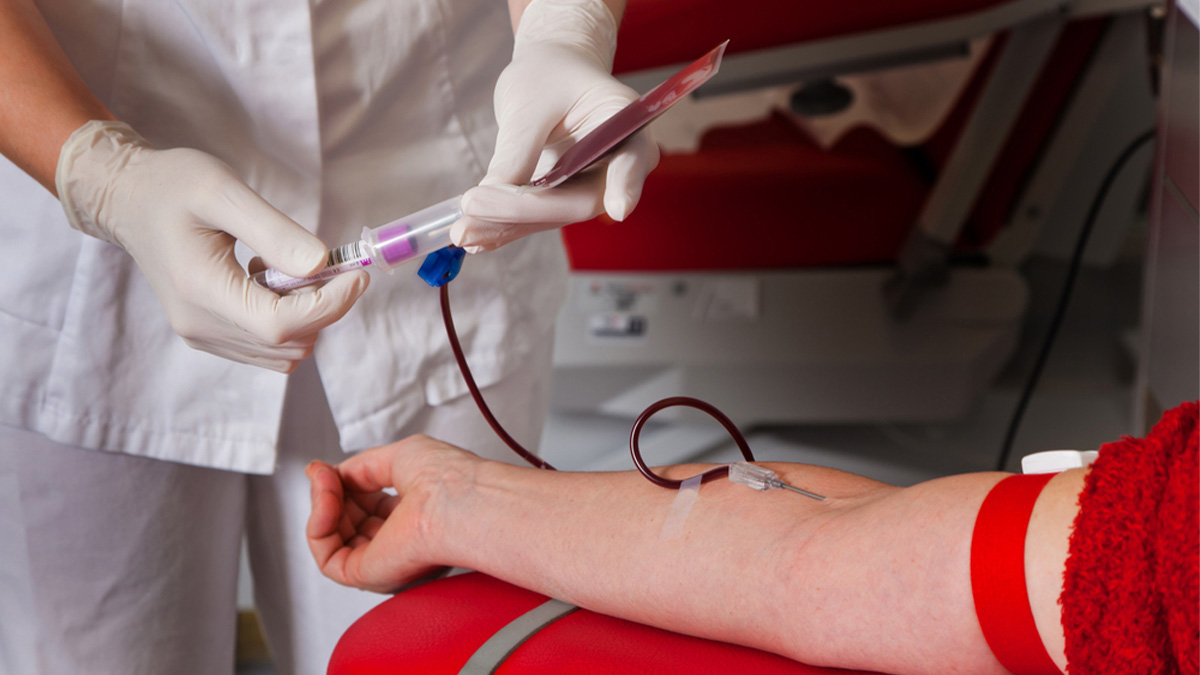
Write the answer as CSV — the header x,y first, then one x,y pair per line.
x,y
1068,285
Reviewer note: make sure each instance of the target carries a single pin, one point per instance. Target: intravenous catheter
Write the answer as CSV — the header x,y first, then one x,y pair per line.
x,y
762,478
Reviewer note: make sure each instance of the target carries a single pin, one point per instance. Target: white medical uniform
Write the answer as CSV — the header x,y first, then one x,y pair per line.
x,y
342,114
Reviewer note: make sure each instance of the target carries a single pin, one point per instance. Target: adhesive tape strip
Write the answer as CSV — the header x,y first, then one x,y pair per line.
x,y
689,492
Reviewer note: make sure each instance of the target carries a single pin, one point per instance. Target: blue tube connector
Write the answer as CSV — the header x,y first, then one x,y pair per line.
x,y
441,266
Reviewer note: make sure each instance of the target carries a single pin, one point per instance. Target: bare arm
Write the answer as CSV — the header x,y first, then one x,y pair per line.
x,y
875,577
42,98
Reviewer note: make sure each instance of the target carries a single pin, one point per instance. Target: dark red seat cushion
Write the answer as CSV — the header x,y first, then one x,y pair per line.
x,y
761,196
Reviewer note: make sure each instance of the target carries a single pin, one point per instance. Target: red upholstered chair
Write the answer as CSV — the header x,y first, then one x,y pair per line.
x,y
852,204
475,624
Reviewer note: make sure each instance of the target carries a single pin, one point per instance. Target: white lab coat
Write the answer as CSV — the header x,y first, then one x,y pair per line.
x,y
342,115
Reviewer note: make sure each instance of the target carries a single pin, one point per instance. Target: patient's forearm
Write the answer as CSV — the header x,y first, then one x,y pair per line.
x,y
875,577
596,540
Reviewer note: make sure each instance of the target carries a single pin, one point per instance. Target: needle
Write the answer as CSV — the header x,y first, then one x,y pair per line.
x,y
780,484
762,478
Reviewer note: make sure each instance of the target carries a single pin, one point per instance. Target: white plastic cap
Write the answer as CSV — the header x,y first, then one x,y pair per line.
x,y
1054,461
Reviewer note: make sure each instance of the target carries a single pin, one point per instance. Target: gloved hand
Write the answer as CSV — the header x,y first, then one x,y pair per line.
x,y
179,213
558,87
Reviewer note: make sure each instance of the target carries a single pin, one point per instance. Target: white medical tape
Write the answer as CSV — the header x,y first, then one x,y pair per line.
x,y
689,492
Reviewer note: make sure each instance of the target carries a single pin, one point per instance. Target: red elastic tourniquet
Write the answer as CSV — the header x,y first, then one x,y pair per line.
x,y
998,576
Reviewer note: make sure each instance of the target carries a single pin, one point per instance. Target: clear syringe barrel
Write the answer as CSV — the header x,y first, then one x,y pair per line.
x,y
412,236
387,246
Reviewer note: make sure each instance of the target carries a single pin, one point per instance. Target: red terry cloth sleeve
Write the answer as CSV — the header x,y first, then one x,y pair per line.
x,y
1130,600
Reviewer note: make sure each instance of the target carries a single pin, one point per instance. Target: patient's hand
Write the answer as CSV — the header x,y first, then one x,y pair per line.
x,y
365,537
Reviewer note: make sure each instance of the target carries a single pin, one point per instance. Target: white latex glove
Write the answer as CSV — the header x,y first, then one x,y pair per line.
x,y
179,213
558,87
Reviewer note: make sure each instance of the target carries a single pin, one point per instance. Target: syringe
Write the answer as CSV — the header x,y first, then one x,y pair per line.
x,y
428,230
386,246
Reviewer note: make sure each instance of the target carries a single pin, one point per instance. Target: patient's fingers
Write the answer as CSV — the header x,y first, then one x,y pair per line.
x,y
353,513
363,504
346,527
386,505
357,533
323,530
337,556
370,527
369,471
334,566
326,498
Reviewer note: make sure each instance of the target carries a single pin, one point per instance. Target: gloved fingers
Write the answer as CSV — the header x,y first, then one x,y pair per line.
x,y
218,305
606,98
494,215
211,329
236,347
278,320
523,131
237,209
279,359
256,265
590,111
330,302
627,171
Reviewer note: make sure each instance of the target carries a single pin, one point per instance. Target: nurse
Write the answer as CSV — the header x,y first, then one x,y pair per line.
x,y
146,420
